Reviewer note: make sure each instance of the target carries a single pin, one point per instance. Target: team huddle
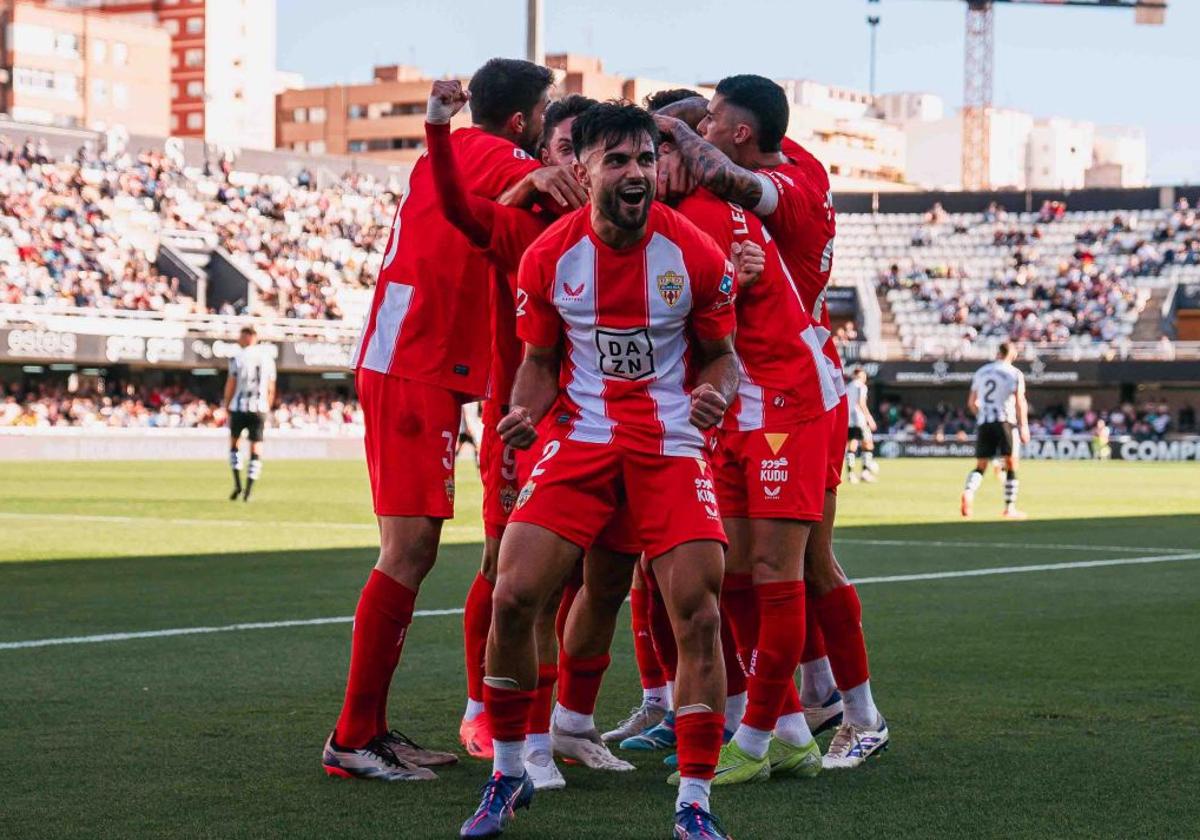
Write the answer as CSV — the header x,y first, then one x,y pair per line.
x,y
636,294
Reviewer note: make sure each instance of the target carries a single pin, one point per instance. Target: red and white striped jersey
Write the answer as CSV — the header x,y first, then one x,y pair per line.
x,y
431,318
784,379
627,321
804,226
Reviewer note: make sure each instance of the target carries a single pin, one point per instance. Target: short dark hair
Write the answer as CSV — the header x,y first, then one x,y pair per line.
x,y
564,109
663,98
249,330
610,123
765,100
506,86
1004,349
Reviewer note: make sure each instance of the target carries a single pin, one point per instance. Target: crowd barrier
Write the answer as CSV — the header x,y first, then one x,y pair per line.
x,y
150,444
1073,448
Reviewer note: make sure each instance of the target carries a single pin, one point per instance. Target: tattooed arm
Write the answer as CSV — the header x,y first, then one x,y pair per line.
x,y
715,171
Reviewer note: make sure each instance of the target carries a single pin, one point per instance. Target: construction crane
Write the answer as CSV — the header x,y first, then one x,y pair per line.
x,y
979,70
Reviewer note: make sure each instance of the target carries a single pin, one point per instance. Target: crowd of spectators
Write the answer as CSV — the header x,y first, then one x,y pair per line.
x,y
125,405
1040,298
300,242
58,241
947,421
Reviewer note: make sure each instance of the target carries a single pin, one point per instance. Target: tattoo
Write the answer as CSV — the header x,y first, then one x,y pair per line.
x,y
714,170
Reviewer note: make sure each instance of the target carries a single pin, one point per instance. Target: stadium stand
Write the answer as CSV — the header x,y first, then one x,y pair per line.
x,y
955,285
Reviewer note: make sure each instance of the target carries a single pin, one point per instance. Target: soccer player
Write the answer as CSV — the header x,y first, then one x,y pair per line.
x,y
425,350
502,233
744,157
498,467
249,395
998,401
626,311
862,425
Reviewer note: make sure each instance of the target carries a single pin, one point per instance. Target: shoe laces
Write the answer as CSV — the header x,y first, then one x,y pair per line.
x,y
633,716
845,739
400,737
700,820
380,749
495,797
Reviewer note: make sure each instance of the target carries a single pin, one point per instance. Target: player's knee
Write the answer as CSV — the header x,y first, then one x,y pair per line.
x,y
700,629
772,563
823,576
514,607
409,554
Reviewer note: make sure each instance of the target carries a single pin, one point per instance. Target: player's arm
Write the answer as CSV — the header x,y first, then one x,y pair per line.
x,y
973,397
230,384
272,381
554,188
866,411
472,215
715,171
1022,411
717,383
534,391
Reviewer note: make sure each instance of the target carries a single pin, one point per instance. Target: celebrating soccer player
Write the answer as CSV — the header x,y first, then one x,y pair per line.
x,y
426,348
744,157
626,311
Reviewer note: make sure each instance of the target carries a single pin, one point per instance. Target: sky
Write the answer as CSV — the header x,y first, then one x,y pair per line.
x,y
1088,64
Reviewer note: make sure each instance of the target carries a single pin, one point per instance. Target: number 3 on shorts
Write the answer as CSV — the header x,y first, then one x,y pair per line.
x,y
550,450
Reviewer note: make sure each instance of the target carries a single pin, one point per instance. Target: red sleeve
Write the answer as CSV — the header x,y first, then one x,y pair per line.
x,y
795,202
538,322
472,215
713,292
496,166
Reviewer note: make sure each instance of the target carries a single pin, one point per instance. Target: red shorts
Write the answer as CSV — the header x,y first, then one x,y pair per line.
x,y
574,489
776,474
498,469
411,432
837,444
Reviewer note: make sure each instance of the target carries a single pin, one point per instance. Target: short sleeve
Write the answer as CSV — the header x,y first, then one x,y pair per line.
x,y
977,380
269,368
792,204
714,289
538,322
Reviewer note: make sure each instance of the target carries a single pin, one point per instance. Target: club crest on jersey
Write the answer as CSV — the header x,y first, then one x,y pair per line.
x,y
508,498
526,492
670,287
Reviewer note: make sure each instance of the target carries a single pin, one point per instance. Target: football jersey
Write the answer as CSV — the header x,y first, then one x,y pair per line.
x,y
783,375
626,320
253,372
996,386
431,315
856,393
804,225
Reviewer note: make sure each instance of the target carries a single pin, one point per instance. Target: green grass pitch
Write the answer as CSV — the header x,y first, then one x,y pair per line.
x,y
1059,702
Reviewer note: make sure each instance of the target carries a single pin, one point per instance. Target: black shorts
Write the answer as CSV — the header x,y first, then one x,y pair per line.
x,y
855,433
247,421
994,440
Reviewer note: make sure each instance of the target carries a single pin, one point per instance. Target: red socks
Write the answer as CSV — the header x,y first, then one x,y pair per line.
x,y
777,654
735,673
543,701
477,621
698,736
814,639
740,606
649,668
661,631
840,615
507,711
579,681
381,621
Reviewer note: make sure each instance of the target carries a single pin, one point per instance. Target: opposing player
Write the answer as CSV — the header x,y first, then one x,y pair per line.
x,y
862,428
626,311
998,402
503,244
744,157
425,349
249,396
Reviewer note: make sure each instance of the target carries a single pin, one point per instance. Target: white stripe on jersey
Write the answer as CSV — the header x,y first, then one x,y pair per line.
x,y
750,401
253,372
397,299
585,388
668,331
996,385
833,387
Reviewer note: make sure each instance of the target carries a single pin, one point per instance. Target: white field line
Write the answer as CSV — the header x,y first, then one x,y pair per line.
x,y
346,619
451,528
